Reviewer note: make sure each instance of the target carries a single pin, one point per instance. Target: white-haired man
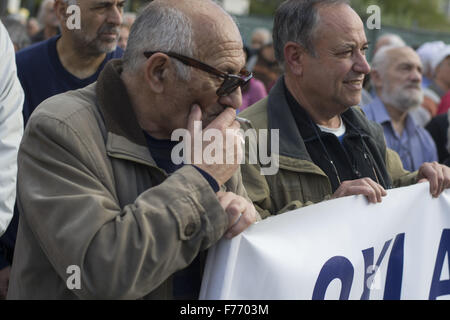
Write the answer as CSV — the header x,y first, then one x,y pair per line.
x,y
98,189
397,78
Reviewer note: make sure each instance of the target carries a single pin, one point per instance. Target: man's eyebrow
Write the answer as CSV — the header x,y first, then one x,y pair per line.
x,y
105,3
350,45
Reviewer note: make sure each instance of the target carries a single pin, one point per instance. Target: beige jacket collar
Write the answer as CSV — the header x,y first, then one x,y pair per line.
x,y
125,138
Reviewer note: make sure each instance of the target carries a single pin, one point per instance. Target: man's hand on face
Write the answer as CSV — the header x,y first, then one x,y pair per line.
x,y
365,186
437,174
241,213
231,147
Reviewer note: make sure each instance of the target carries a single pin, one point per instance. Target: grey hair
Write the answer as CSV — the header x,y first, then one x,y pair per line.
x,y
380,59
264,32
392,38
159,28
297,21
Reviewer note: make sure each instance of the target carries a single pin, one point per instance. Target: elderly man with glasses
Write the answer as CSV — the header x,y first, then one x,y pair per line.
x,y
105,211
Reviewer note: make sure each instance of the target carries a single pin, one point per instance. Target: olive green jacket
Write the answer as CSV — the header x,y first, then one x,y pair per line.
x,y
299,181
91,196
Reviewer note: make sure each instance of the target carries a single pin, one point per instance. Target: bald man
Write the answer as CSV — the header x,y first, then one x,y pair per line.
x,y
106,211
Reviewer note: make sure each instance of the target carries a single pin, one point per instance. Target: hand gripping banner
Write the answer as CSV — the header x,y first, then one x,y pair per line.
x,y
340,249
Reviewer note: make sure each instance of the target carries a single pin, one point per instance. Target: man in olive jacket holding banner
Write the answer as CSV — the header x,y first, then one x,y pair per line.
x,y
327,147
105,211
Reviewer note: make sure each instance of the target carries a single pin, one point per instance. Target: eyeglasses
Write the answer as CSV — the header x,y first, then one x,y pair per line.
x,y
230,81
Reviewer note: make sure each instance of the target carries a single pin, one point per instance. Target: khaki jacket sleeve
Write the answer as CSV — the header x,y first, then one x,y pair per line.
x,y
400,177
123,252
258,191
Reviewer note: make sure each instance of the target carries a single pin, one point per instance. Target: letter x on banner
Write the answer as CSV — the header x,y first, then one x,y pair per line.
x,y
340,249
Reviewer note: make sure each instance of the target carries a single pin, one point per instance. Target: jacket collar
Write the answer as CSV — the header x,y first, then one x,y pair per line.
x,y
125,138
280,117
292,139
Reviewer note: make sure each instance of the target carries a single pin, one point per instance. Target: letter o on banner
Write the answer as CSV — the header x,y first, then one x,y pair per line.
x,y
335,268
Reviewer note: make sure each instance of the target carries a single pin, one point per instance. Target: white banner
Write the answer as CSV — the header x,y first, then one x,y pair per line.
x,y
340,249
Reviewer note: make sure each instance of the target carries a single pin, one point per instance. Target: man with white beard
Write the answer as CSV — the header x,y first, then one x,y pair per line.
x,y
397,77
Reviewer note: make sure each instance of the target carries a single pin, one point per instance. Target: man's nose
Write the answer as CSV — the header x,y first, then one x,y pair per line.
x,y
361,65
415,76
115,15
234,99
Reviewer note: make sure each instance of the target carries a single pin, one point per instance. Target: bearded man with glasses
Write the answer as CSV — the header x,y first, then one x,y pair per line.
x,y
97,187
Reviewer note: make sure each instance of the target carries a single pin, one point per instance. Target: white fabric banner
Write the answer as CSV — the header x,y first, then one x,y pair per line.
x,y
340,249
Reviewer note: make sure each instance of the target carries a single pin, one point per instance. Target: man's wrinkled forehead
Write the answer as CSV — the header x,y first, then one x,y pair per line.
x,y
403,56
340,24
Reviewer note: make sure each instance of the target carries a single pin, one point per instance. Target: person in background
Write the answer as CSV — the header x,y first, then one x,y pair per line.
x,y
17,32
33,27
439,129
426,52
259,37
253,91
266,68
11,130
387,39
440,66
74,58
397,78
444,106
47,20
129,18
123,36
440,84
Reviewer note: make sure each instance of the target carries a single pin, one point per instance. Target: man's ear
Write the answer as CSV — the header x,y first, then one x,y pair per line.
x,y
157,72
294,56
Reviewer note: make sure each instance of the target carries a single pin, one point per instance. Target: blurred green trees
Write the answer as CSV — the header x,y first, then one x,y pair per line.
x,y
427,14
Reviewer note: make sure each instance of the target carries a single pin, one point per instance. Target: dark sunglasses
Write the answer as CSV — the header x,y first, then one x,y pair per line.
x,y
230,81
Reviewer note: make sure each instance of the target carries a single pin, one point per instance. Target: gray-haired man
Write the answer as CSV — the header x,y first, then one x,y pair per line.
x,y
101,198
327,147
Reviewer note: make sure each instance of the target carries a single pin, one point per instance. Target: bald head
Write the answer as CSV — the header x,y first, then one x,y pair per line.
x,y
188,27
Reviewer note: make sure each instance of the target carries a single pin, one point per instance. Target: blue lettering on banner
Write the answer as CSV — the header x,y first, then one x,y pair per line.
x,y
341,268
394,276
335,268
441,287
370,270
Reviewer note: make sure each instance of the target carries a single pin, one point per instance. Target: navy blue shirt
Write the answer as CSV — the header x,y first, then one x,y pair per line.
x,y
186,282
42,74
